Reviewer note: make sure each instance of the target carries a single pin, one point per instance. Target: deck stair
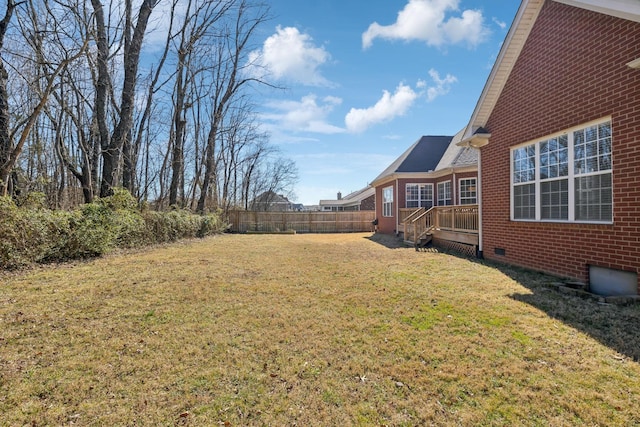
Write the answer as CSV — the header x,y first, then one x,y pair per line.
x,y
424,241
452,226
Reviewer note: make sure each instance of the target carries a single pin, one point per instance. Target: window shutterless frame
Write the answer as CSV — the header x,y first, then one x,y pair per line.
x,y
387,201
418,195
444,193
468,191
564,177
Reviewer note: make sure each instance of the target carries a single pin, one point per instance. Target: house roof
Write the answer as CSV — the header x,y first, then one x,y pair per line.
x,y
514,42
351,199
271,198
457,156
423,156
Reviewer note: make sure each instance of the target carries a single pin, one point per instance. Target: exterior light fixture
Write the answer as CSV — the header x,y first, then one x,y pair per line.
x,y
634,64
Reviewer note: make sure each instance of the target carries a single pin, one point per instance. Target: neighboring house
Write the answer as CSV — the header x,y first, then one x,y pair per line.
x,y
558,130
434,171
361,200
270,201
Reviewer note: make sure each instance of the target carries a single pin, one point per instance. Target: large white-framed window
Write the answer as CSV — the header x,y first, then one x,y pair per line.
x,y
468,191
564,177
444,193
419,195
387,201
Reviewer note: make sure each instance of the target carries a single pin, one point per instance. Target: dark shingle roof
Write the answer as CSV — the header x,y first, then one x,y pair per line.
x,y
425,155
422,156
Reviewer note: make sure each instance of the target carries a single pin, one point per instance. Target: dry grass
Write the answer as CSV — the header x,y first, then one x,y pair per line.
x,y
308,330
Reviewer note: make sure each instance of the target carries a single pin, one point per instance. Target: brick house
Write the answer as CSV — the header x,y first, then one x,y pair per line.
x,y
558,130
361,200
434,171
270,201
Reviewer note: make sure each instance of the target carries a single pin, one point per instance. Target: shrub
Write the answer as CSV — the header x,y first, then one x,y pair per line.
x,y
31,233
92,231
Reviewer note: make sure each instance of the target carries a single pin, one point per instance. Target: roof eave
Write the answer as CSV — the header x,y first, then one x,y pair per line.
x,y
477,140
509,52
626,9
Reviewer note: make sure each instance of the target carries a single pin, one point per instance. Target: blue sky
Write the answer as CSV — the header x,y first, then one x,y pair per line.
x,y
365,79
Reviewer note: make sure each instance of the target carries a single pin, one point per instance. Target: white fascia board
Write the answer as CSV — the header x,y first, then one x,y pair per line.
x,y
625,9
509,53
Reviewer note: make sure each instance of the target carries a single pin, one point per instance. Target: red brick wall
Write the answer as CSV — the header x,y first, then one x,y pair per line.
x,y
388,225
571,71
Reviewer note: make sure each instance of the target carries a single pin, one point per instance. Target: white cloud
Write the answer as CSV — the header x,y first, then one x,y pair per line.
x,y
292,56
390,106
306,115
387,107
499,23
441,87
427,21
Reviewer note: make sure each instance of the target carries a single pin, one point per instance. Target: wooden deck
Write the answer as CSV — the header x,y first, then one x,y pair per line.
x,y
458,224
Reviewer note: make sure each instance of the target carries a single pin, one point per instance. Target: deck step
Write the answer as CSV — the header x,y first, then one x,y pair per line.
x,y
424,242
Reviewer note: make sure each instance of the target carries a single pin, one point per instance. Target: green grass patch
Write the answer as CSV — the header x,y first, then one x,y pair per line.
x,y
308,330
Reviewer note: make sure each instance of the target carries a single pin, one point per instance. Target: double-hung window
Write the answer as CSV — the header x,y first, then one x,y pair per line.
x,y
444,193
419,195
592,170
468,191
554,181
387,201
566,177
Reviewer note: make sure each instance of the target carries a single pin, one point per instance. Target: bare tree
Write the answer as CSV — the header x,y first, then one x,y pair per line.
x,y
5,141
111,152
192,140
228,81
48,66
198,27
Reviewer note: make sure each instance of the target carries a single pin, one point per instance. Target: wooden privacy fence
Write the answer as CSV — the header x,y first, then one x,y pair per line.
x,y
301,222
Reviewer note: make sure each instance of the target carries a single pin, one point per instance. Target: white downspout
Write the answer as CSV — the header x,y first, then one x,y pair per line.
x,y
396,198
479,197
454,190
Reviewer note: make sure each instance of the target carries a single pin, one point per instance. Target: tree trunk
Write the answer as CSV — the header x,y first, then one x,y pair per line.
x,y
5,140
111,156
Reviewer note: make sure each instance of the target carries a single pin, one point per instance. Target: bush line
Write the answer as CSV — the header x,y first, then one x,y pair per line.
x,y
30,233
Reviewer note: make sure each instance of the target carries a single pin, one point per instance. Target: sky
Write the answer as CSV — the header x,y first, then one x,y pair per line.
x,y
365,79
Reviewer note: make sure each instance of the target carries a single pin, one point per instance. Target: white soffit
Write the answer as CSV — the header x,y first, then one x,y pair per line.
x,y
625,9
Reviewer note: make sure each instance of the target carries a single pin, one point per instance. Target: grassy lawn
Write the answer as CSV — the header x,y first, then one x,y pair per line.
x,y
309,330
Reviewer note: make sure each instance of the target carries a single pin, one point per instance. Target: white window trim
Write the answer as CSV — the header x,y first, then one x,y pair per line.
x,y
450,193
460,190
419,184
570,177
387,202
